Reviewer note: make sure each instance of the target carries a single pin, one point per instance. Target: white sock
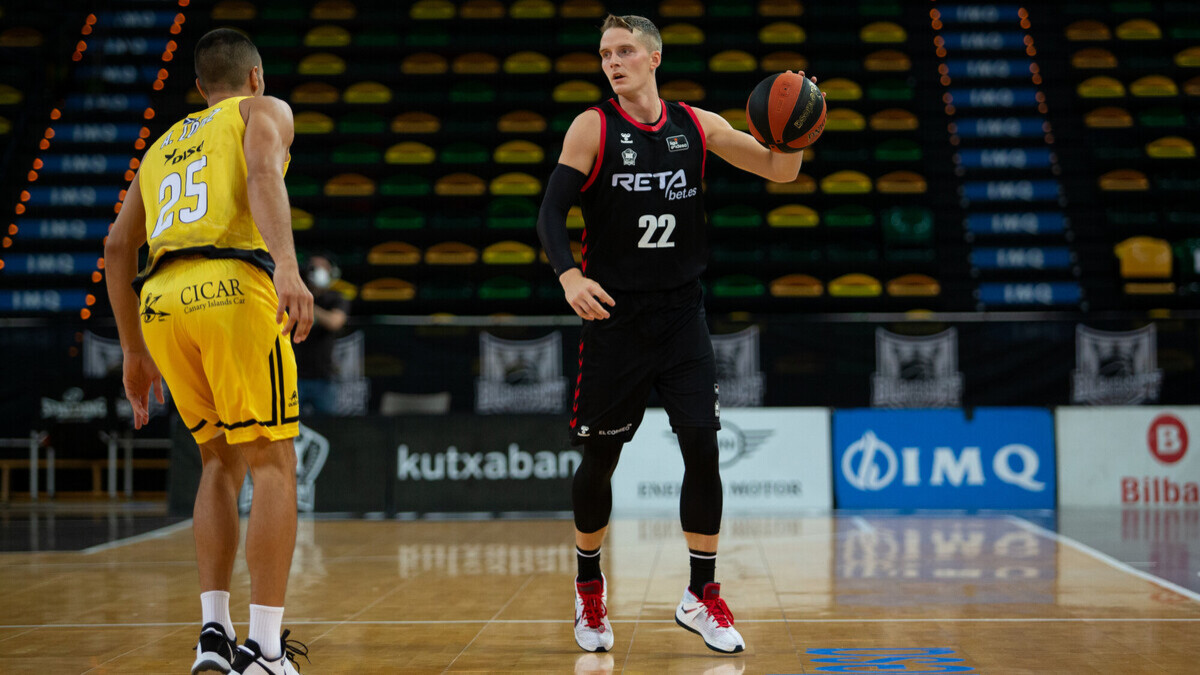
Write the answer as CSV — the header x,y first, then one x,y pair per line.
x,y
265,625
215,607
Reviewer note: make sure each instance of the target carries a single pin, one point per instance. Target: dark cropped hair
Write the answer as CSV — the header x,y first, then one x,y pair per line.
x,y
224,57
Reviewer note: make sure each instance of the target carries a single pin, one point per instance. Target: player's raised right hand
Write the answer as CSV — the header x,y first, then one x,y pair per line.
x,y
585,295
296,300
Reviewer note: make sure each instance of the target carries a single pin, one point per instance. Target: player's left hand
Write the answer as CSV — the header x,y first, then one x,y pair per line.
x,y
140,375
811,77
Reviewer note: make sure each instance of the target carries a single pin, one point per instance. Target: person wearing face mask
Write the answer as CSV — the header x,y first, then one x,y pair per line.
x,y
314,359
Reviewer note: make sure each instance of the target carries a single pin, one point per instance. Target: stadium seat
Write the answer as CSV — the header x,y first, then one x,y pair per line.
x,y
677,34
327,36
736,215
682,90
849,215
898,150
464,152
310,122
387,289
1171,147
732,61
1162,116
577,63
21,37
1144,258
424,63
855,286
481,9
912,225
1108,118
1153,86
846,182
841,89
367,93
519,152
301,220
333,10
1139,29
515,184
736,118
521,122
1093,58
1124,180
321,63
796,286
1088,30
415,123
1100,86
1188,57
10,95
914,286
887,60
901,182
531,9
781,33
793,215
509,253
527,63
314,93
349,185
355,153
575,218
377,38
509,213
505,287
475,63
680,9
472,91
394,253
777,62
431,10
300,185
890,89
5,126
576,91
361,122
738,286
451,253
803,184
683,61
234,10
581,9
881,32
400,218
460,185
410,152
405,185
844,119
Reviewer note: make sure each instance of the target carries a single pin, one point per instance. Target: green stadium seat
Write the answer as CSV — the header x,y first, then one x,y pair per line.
x,y
508,213
356,153
400,218
795,254
879,8
505,288
442,290
850,215
907,225
738,286
282,12
299,185
737,215
898,150
890,89
578,34
377,38
427,36
742,254
464,152
406,185
472,91
361,123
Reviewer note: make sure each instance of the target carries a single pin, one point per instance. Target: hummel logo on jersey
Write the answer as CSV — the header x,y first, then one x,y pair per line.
x,y
672,183
628,156
583,431
677,143
626,138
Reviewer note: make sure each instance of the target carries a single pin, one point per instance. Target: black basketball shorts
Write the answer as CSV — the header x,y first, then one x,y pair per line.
x,y
651,340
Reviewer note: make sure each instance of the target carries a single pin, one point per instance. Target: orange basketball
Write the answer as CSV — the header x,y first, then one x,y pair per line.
x,y
786,112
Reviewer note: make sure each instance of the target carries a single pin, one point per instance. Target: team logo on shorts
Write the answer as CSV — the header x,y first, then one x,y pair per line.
x,y
628,156
149,314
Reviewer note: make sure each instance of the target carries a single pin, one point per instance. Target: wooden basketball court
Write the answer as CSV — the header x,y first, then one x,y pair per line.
x,y
810,594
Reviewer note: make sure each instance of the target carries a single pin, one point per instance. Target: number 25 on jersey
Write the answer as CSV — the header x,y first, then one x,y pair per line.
x,y
182,184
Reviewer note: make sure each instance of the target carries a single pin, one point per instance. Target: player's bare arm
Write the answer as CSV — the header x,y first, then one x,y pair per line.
x,y
741,150
580,146
269,134
120,266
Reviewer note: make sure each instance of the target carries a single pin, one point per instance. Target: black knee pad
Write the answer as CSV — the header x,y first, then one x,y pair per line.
x,y
701,500
591,489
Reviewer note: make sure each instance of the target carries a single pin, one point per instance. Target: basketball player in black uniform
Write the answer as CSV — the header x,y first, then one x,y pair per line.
x,y
636,164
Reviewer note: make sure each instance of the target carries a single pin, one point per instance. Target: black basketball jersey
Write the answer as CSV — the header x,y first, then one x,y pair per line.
x,y
643,203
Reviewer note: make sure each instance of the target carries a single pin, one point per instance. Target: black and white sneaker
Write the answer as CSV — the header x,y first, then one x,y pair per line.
x,y
250,661
214,650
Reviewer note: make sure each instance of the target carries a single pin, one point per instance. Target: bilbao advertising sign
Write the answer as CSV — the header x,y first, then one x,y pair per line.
x,y
999,458
1129,456
772,460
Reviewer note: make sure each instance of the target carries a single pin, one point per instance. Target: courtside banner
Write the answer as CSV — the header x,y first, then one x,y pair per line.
x,y
772,460
1129,456
999,458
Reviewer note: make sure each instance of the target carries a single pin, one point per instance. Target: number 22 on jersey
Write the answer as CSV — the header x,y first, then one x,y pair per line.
x,y
175,185
652,224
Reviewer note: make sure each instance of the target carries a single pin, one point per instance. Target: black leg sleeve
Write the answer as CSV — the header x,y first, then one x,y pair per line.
x,y
700,502
591,491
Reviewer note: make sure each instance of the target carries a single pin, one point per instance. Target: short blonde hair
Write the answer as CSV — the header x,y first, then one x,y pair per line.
x,y
641,27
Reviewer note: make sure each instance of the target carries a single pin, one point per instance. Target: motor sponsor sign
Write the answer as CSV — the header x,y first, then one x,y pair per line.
x,y
997,458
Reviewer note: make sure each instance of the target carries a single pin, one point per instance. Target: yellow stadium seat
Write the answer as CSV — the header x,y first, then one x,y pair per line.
x,y
460,185
575,218
680,9
415,123
432,10
10,95
1108,118
424,63
327,36
5,126
793,215
778,8
476,63
855,286
736,118
234,10
314,93
527,63
1144,258
803,184
732,61
1124,180
344,288
310,122
577,63
901,183
1188,58
882,31
841,89
576,253
410,152
846,183
333,10
576,91
387,289
321,63
781,33
1171,147
914,286
367,93
482,9
887,60
777,62
1100,86
1088,30
349,185
1150,288
509,253
796,286
394,253
894,119
521,122
193,97
532,9
582,9
844,119
301,220
515,184
1093,58
1139,29
681,90
519,152
1153,86
451,253
21,37
682,34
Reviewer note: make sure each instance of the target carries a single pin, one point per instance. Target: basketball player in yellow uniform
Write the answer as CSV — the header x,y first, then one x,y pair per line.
x,y
215,307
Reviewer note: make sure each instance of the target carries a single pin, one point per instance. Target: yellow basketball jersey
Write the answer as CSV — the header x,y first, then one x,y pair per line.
x,y
193,184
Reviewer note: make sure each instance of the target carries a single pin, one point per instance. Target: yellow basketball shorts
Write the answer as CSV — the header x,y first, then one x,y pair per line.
x,y
210,326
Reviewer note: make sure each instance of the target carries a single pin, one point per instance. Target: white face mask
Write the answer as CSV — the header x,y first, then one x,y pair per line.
x,y
320,278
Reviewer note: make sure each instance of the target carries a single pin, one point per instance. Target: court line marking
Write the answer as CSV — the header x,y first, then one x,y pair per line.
x,y
490,622
138,538
862,525
1103,557
567,622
